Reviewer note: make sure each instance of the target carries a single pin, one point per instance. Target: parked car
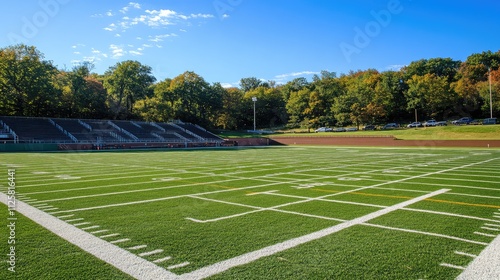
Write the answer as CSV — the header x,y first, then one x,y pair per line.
x,y
370,127
464,120
323,129
414,124
339,129
442,123
352,129
490,121
390,126
430,123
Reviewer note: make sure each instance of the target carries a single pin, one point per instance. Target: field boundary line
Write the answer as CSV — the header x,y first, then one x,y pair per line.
x,y
486,265
122,259
273,249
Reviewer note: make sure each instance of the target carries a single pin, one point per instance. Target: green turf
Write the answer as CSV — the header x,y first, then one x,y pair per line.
x,y
205,206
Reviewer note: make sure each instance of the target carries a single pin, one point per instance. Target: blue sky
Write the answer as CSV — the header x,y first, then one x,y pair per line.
x,y
226,40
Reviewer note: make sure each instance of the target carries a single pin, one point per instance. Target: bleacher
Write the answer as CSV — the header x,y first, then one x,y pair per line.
x,y
36,130
198,131
54,130
141,131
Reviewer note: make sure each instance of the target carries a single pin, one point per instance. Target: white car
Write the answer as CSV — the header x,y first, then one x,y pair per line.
x,y
430,123
323,129
414,124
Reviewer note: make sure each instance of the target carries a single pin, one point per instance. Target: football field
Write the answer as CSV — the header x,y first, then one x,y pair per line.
x,y
253,213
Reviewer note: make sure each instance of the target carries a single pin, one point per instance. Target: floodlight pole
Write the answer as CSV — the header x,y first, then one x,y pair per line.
x,y
491,99
254,99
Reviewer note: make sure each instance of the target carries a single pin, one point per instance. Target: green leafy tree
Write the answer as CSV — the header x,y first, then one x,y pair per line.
x,y
27,83
127,82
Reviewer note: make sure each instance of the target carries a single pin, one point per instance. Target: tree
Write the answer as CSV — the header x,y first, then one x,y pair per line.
x,y
431,94
127,82
248,84
27,83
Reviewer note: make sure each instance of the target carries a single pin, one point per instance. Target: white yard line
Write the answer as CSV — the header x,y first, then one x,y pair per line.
x,y
486,265
465,254
448,214
120,258
453,266
428,234
178,265
485,234
273,249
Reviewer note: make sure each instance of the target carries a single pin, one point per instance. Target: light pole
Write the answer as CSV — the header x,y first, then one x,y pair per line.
x,y
491,100
254,99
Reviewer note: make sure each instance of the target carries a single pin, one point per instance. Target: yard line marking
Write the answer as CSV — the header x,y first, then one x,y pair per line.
x,y
74,220
39,204
151,253
273,249
43,207
428,233
178,265
109,235
120,258
492,225
65,216
448,214
496,216
486,265
465,254
452,266
257,193
162,260
50,209
484,234
82,224
260,186
119,240
492,229
137,247
91,227
99,231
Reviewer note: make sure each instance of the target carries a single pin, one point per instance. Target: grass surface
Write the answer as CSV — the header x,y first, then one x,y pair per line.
x,y
451,132
202,207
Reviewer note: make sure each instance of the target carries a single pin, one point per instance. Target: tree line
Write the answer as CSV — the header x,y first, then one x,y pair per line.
x,y
440,88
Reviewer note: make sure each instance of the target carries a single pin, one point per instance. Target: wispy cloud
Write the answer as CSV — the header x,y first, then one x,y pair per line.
x,y
116,51
296,74
394,67
131,5
159,38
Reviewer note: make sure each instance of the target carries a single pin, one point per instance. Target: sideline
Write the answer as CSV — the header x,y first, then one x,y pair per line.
x,y
486,265
122,259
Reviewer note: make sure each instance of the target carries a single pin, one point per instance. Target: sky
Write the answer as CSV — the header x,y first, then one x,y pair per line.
x,y
227,40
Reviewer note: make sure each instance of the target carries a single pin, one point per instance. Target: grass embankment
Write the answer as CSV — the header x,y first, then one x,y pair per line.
x,y
452,132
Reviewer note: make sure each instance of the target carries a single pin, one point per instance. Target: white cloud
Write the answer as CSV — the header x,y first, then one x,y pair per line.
x,y
117,51
118,35
130,5
159,38
76,52
229,85
395,67
295,74
95,51
224,16
135,53
111,27
109,13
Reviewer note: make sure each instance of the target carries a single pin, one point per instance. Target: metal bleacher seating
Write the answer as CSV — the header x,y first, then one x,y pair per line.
x,y
36,130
